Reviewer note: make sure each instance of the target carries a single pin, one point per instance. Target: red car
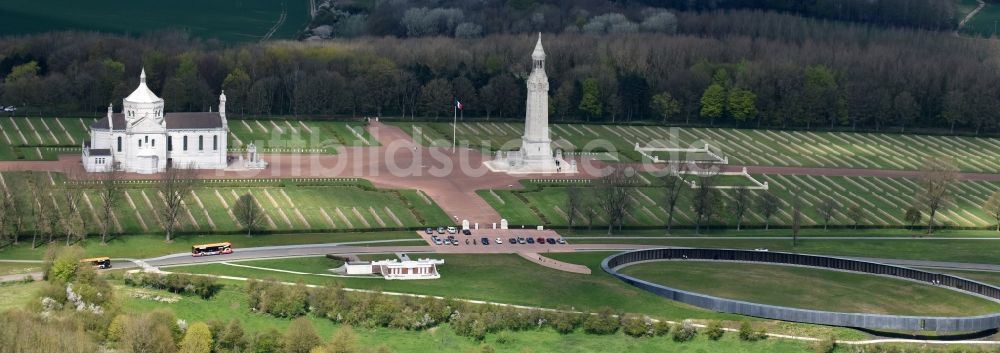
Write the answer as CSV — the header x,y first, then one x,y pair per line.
x,y
540,240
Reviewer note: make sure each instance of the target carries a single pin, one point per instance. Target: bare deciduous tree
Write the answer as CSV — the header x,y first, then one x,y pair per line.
x,y
856,214
673,187
740,205
248,212
72,220
992,206
706,201
613,196
174,185
768,204
574,202
796,215
827,207
913,216
938,174
110,192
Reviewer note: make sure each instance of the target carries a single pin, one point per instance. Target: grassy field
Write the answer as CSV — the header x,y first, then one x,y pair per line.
x,y
289,206
742,146
145,246
34,138
506,279
973,251
285,136
883,201
17,295
12,268
241,21
232,303
810,288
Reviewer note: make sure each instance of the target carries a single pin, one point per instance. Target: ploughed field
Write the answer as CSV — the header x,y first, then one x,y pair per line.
x,y
883,202
810,288
742,146
29,139
230,21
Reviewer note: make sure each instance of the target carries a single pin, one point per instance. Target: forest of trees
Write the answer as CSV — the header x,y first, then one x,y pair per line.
x,y
465,19
747,68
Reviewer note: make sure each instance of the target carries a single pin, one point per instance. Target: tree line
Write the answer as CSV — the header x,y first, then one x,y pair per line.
x,y
464,19
746,68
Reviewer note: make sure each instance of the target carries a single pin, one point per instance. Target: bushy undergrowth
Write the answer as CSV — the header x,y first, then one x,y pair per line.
x,y
204,287
371,310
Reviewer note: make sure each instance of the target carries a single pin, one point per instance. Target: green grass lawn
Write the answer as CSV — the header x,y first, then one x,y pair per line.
x,y
811,288
13,268
145,246
579,232
289,207
229,21
742,146
882,201
17,294
975,251
506,279
290,135
232,303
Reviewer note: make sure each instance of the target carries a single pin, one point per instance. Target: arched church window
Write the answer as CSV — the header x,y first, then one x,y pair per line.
x,y
201,143
119,143
185,143
215,142
154,142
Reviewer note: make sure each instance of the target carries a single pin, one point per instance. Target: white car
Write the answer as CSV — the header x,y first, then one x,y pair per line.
x,y
452,230
499,241
760,249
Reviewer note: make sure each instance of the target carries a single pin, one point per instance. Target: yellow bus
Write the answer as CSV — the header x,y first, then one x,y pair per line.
x,y
212,249
98,262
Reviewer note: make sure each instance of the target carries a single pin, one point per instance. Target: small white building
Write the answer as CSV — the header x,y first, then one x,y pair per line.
x,y
144,139
396,269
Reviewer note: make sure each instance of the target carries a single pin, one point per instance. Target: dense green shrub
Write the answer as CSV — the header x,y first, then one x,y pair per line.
x,y
661,328
827,345
747,333
636,326
603,322
202,286
277,299
714,330
683,332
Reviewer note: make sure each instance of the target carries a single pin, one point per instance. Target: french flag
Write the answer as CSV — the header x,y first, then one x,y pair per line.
x,y
458,105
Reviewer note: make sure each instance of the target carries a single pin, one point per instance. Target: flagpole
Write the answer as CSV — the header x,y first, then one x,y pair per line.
x,y
454,126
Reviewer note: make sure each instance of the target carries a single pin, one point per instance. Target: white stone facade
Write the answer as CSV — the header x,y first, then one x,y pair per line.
x,y
536,155
395,269
144,139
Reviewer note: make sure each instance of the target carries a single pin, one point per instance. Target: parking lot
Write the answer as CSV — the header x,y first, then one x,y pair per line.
x,y
473,243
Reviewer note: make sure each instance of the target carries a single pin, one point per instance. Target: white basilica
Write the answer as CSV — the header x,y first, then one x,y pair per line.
x,y
143,139
536,155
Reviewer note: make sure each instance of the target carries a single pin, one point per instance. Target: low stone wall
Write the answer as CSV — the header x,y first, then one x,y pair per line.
x,y
867,321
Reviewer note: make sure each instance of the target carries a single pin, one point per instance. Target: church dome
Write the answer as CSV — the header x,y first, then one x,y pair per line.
x,y
143,94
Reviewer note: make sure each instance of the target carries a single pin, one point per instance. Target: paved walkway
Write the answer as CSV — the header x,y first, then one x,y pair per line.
x,y
554,264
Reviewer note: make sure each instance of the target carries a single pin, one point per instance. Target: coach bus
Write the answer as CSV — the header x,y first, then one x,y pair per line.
x,y
212,249
98,262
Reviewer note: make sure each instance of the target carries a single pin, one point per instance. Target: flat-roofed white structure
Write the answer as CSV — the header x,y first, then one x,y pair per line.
x,y
396,269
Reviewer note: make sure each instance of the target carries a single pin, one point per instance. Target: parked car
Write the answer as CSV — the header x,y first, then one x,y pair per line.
x,y
540,240
561,241
440,230
466,232
452,230
436,240
429,230
550,240
520,240
485,241
531,240
499,241
512,241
